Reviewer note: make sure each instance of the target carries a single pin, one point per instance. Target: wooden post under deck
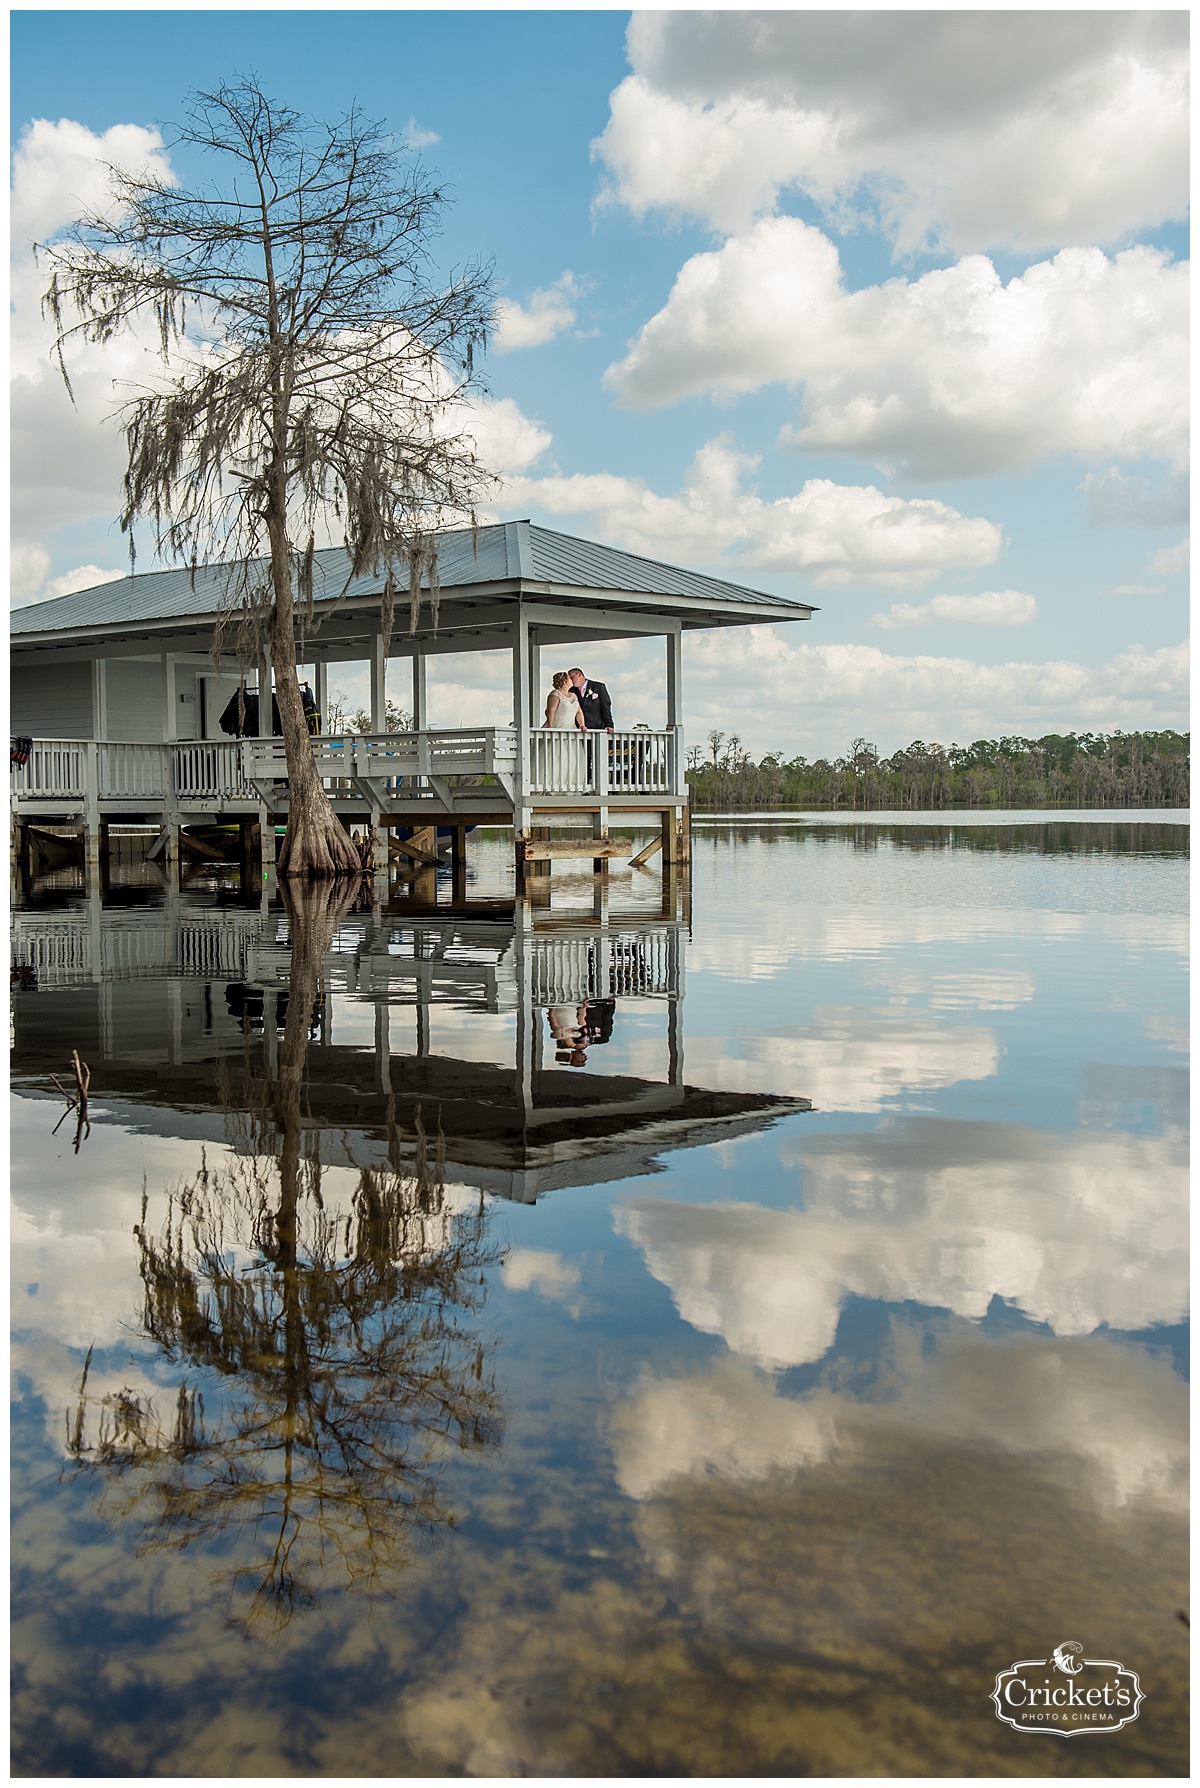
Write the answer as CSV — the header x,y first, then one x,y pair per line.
x,y
458,864
424,882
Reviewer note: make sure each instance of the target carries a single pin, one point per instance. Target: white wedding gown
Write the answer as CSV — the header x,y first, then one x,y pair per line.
x,y
564,714
567,767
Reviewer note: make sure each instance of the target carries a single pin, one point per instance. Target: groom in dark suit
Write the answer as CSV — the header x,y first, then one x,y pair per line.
x,y
593,699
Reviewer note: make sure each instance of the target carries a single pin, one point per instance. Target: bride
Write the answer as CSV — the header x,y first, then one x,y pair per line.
x,y
562,704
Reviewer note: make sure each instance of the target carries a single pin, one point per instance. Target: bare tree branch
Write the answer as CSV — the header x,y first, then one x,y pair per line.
x,y
314,374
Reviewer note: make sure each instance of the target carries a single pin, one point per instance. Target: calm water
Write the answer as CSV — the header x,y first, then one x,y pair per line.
x,y
786,1334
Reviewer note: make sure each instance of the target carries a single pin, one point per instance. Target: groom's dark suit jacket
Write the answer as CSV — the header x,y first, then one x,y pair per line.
x,y
597,709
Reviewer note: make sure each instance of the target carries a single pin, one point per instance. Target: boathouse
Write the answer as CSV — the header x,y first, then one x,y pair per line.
x,y
119,691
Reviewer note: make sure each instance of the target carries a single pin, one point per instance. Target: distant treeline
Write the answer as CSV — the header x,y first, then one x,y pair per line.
x,y
1057,770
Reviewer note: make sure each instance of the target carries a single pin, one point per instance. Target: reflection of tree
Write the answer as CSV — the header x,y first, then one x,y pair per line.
x,y
340,1365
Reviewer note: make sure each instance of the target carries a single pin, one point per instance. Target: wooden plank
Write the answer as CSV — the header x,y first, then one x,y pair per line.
x,y
535,849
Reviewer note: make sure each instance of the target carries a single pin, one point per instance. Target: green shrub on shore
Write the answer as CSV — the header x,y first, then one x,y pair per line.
x,y
1058,770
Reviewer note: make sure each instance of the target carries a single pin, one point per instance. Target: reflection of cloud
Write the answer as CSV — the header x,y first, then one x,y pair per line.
x,y
851,1059
1076,1231
850,932
729,1421
539,1269
1117,1410
1116,1095
989,990
1171,1031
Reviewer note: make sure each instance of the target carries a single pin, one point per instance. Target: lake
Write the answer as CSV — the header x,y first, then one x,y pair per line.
x,y
636,1333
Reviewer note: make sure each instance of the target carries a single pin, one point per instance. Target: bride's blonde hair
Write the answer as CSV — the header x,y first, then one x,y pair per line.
x,y
560,679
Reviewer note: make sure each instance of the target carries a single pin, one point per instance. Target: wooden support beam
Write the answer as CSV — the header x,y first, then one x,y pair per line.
x,y
424,886
198,848
644,855
533,849
425,858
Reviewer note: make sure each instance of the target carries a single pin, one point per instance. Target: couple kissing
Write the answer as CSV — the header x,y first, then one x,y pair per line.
x,y
578,701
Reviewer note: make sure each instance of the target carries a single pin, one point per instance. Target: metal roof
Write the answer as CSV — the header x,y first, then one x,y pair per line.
x,y
505,553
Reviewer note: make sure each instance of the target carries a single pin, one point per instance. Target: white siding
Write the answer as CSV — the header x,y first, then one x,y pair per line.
x,y
135,701
187,701
52,701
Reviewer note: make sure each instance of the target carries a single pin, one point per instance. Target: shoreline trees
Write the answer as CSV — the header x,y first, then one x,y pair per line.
x,y
1149,769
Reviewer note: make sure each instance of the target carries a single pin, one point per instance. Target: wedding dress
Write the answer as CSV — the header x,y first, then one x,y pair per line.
x,y
567,769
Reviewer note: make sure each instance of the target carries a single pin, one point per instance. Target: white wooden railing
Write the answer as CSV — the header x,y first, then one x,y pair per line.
x,y
641,762
83,771
209,768
55,767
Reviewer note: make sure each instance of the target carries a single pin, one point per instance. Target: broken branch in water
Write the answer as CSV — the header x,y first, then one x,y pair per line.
x,y
76,1101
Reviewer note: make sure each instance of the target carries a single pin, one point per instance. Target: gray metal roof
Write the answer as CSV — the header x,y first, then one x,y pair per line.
x,y
503,553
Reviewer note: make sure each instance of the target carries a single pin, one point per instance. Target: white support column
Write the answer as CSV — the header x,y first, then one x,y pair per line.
x,y
675,708
264,696
321,690
100,698
675,676
378,682
521,697
170,700
535,678
420,692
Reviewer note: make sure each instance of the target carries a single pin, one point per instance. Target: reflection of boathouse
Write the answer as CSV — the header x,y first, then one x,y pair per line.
x,y
178,1009
117,690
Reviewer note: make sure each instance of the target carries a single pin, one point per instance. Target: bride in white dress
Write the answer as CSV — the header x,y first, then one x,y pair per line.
x,y
567,767
562,704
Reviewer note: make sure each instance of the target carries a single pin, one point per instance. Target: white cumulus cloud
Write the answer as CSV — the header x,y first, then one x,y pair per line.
x,y
508,441
548,313
992,608
1171,561
961,130
414,136
800,695
67,459
840,534
954,373
1112,496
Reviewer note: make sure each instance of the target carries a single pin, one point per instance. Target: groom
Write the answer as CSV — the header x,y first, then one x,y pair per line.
x,y
593,700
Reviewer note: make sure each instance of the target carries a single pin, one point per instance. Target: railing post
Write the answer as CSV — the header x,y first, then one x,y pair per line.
x,y
521,697
604,744
91,804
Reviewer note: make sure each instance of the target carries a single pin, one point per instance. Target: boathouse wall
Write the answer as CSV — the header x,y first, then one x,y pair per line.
x,y
52,701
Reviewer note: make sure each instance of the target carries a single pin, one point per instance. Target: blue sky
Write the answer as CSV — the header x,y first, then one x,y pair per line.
x,y
684,197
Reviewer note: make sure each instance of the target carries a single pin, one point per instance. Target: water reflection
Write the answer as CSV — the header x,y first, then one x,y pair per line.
x,y
864,1402
477,1027
333,1356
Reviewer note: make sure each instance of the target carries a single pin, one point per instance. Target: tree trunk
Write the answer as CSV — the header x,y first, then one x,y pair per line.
x,y
316,844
